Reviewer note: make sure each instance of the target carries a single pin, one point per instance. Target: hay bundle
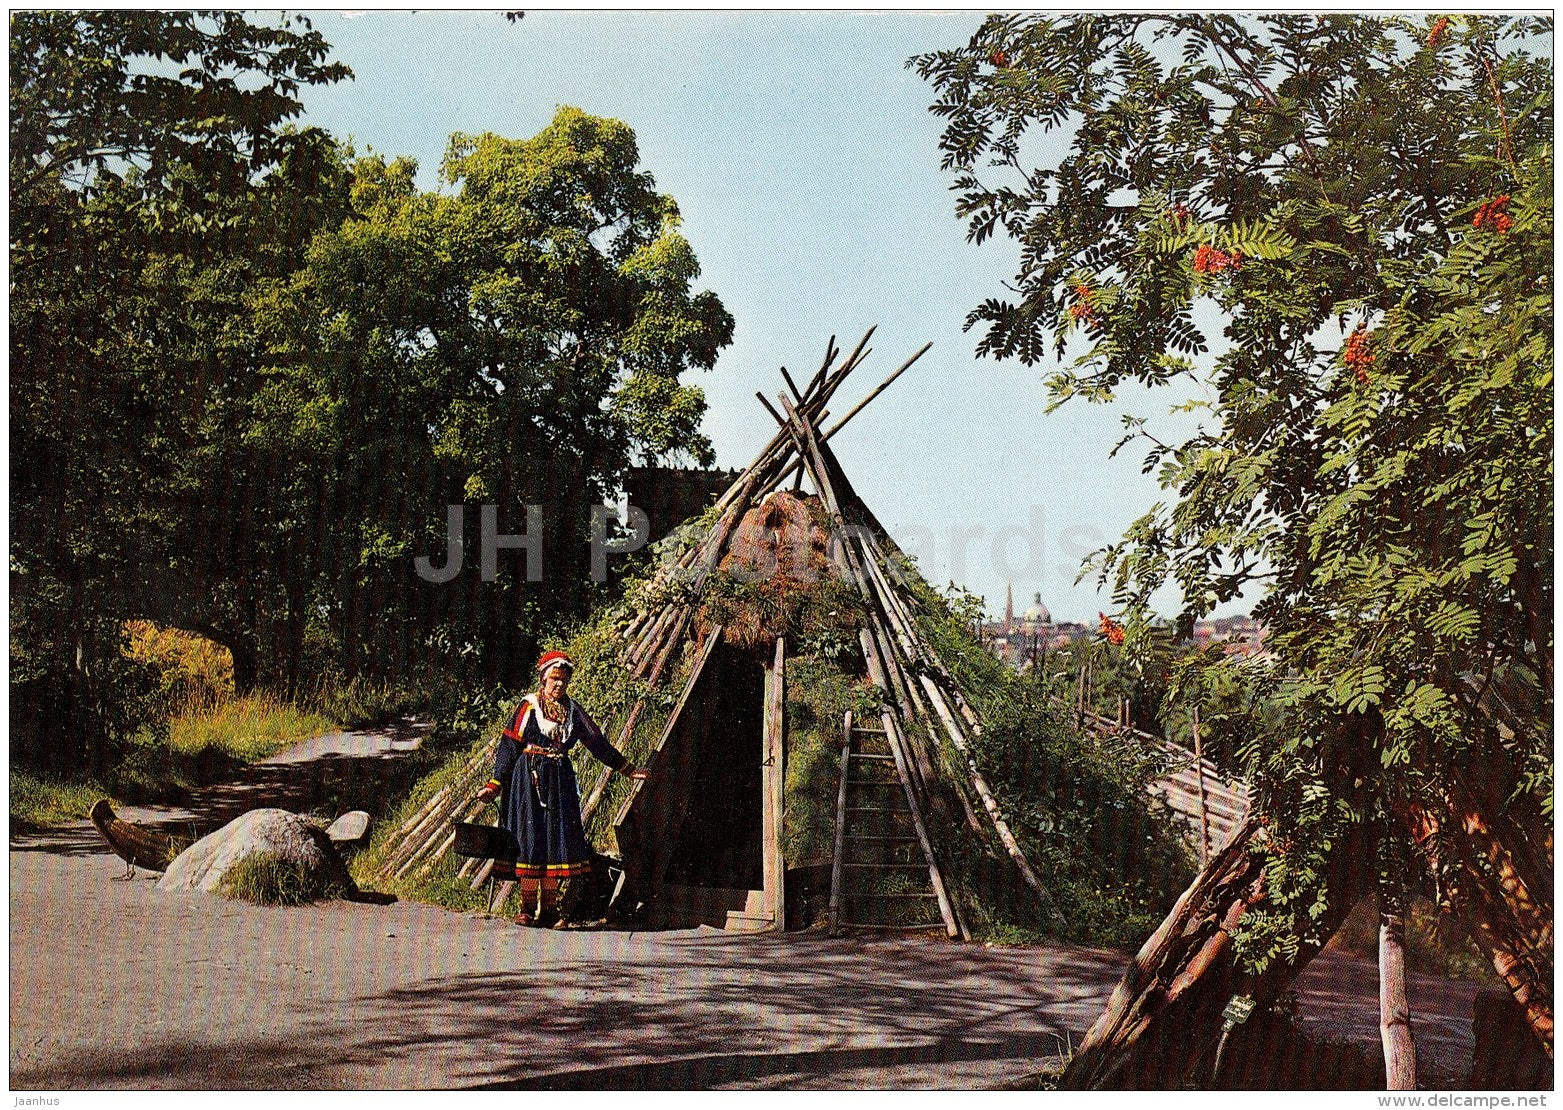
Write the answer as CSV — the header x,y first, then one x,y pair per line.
x,y
779,537
776,578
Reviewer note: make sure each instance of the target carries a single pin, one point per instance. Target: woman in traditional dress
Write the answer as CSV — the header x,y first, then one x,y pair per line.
x,y
540,802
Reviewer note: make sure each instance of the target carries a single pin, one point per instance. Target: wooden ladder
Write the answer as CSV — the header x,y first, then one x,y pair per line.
x,y
883,873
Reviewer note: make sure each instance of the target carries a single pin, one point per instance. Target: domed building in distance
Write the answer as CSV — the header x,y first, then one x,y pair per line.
x,y
1022,639
1036,615
1018,640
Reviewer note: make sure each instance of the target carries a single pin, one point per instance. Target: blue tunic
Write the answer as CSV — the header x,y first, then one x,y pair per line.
x,y
541,801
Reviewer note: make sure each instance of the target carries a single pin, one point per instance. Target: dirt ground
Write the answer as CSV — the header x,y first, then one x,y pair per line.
x,y
117,985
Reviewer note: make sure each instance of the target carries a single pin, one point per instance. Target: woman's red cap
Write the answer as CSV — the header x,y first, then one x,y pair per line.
x,y
550,659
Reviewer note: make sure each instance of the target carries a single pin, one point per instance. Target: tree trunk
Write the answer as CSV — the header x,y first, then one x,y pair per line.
x,y
1500,854
1394,1011
240,645
1161,1026
246,665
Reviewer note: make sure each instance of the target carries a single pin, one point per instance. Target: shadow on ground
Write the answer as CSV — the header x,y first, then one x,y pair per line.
x,y
679,1012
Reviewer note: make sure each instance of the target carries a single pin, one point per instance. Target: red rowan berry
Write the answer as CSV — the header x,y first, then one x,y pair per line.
x,y
1358,355
1492,215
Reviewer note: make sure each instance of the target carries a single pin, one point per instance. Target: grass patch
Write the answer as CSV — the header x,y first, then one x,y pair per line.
x,y
210,744
247,728
42,801
366,702
267,880
441,887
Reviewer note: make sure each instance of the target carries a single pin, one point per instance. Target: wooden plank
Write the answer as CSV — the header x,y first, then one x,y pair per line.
x,y
839,852
773,864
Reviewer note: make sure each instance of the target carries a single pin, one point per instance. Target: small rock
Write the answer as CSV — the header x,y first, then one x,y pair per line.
x,y
349,828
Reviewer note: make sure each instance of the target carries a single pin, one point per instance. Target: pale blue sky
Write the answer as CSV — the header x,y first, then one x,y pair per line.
x,y
802,154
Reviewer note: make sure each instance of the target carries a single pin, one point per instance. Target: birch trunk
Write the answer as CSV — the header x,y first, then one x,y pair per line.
x,y
1394,1011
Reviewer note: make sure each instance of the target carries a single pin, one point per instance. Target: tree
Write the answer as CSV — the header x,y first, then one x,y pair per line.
x,y
153,174
516,342
1364,204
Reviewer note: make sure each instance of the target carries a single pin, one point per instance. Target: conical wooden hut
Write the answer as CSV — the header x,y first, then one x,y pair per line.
x,y
693,683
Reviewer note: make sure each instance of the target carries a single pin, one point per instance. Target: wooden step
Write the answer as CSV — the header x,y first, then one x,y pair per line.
x,y
686,906
875,758
903,896
892,928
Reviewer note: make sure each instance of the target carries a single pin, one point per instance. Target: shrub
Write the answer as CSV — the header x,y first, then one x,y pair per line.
x,y
193,673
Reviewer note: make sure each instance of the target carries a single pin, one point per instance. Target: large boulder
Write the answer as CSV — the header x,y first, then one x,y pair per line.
x,y
275,833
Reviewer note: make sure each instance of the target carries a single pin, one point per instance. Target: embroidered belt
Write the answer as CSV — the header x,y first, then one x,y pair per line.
x,y
551,753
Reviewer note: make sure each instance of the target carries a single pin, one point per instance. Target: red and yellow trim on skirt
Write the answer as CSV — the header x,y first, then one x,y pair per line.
x,y
552,870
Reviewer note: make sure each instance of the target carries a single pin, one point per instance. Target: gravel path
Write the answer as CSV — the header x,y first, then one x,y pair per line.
x,y
117,985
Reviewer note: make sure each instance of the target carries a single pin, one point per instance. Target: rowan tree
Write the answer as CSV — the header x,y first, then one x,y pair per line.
x,y
1363,208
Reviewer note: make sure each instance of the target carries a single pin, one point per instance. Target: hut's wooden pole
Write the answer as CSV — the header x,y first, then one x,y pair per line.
x,y
989,802
898,751
810,450
839,851
416,832
875,392
911,644
918,649
501,892
770,408
594,798
441,834
792,385
831,351
712,637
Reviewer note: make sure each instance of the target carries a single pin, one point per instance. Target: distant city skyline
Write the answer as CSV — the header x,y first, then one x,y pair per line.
x,y
805,163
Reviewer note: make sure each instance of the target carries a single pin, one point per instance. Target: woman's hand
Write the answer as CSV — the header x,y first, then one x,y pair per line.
x,y
487,794
630,771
